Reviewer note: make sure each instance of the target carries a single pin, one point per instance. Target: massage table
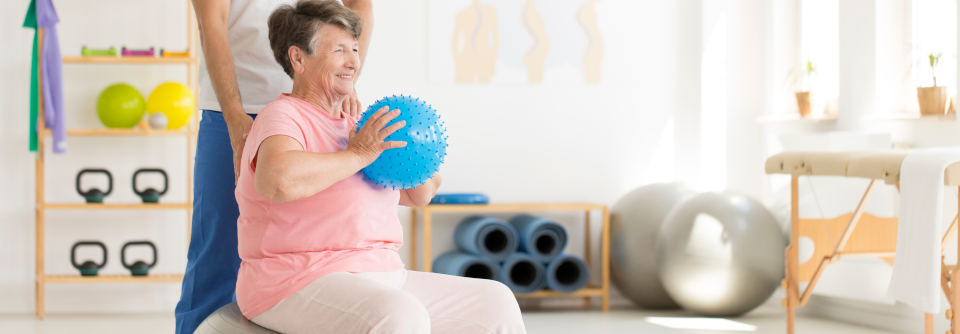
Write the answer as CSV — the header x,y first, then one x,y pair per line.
x,y
861,234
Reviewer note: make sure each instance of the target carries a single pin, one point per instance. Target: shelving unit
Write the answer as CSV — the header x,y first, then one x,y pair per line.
x,y
602,291
190,132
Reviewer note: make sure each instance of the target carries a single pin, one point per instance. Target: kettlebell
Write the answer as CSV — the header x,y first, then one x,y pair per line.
x,y
95,195
138,268
88,268
150,195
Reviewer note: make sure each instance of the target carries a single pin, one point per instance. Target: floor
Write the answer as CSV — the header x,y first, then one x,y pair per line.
x,y
537,322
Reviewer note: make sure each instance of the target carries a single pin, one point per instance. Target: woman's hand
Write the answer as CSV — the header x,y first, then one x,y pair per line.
x,y
367,142
351,105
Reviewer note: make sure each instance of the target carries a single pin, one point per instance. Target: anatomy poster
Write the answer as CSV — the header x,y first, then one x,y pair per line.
x,y
525,42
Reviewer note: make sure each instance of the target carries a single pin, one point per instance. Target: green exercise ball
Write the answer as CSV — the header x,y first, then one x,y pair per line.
x,y
120,106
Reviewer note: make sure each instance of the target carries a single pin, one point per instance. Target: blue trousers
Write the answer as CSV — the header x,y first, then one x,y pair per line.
x,y
210,280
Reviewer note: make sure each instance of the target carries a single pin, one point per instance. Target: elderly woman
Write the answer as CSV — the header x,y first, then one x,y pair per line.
x,y
318,241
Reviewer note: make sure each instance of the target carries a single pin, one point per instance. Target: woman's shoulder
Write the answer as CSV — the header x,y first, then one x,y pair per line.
x,y
282,108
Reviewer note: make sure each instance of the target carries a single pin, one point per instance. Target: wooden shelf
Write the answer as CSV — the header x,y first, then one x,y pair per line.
x,y
152,278
130,60
123,132
585,292
116,206
510,207
426,260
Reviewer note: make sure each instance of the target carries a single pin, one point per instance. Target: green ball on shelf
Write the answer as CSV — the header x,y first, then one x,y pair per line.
x,y
120,106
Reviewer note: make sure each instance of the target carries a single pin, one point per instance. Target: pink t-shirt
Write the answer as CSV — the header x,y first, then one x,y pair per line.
x,y
351,226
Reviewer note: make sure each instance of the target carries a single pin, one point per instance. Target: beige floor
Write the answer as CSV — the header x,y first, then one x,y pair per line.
x,y
537,322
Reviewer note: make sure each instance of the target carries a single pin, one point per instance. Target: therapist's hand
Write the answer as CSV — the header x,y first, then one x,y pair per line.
x,y
351,105
367,142
238,126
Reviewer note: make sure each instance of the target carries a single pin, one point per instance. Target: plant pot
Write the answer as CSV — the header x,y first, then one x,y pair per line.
x,y
933,100
803,103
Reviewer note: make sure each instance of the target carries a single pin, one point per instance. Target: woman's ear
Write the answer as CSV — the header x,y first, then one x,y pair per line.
x,y
296,59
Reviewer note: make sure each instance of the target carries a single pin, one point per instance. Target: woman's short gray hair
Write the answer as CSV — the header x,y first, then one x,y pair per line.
x,y
297,25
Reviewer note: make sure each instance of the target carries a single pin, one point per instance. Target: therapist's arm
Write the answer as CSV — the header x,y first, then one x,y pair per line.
x,y
351,105
212,17
285,172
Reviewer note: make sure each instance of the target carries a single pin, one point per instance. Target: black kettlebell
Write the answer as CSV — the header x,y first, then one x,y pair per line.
x,y
150,195
138,268
88,268
95,195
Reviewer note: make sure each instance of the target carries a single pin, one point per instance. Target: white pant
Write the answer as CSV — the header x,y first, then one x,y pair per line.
x,y
396,302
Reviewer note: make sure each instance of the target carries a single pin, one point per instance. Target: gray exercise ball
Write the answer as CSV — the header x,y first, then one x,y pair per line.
x,y
229,320
635,222
720,254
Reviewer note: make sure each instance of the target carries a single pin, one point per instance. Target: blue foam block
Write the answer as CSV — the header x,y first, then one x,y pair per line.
x,y
460,199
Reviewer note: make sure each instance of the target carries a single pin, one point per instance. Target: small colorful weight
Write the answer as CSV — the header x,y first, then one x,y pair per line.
x,y
426,137
87,52
167,53
138,53
173,100
158,121
120,106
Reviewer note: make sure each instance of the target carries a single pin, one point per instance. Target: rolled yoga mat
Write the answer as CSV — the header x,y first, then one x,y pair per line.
x,y
541,238
522,273
486,237
466,265
567,273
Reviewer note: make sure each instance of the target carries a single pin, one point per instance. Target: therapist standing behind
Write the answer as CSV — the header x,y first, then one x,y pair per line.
x,y
238,77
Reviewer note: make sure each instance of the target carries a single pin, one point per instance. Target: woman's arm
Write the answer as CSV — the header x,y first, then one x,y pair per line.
x,y
285,172
212,18
422,194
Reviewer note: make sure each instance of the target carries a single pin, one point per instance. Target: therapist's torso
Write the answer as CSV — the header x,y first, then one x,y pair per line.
x,y
259,77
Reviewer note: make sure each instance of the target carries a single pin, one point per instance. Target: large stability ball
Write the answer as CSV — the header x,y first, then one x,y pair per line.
x,y
120,106
720,254
426,137
635,222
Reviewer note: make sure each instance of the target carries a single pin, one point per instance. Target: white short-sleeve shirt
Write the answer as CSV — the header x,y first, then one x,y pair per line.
x,y
259,77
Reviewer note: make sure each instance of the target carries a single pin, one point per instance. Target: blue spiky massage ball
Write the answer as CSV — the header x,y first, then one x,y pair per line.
x,y
426,137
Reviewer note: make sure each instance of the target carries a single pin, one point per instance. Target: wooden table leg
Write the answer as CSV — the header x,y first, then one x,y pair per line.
x,y
954,278
586,251
427,217
413,238
928,323
605,261
793,284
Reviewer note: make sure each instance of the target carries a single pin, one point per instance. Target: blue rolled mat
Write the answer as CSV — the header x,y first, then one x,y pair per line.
x,y
486,237
522,273
466,265
541,238
567,273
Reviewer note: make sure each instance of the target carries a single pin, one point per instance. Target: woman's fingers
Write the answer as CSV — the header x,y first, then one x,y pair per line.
x,y
391,129
386,118
393,144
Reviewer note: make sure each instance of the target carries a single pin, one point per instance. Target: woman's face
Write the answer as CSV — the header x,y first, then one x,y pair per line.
x,y
335,62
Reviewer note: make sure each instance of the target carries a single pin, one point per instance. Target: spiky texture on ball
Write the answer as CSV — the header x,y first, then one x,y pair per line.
x,y
426,137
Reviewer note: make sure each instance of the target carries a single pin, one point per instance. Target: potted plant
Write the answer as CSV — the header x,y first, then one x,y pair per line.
x,y
933,100
803,96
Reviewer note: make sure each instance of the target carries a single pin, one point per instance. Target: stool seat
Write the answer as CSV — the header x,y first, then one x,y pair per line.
x,y
229,320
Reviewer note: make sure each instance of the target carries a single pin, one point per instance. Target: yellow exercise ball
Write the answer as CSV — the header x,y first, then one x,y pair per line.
x,y
173,100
